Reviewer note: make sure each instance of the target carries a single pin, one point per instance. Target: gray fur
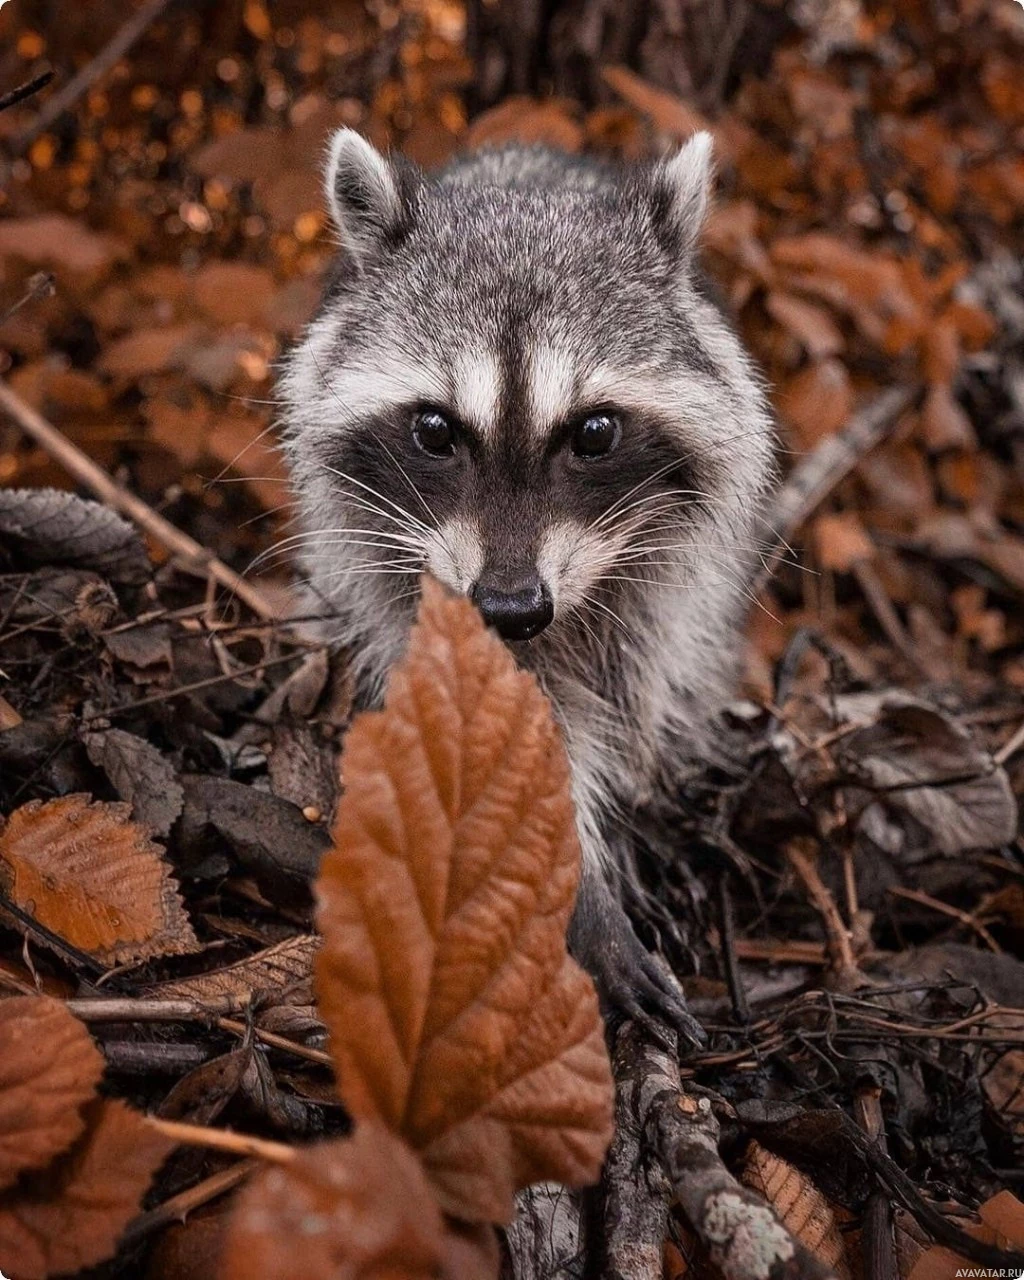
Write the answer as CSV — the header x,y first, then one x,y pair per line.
x,y
515,287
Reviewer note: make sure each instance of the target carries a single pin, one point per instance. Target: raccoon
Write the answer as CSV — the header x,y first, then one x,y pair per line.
x,y
518,381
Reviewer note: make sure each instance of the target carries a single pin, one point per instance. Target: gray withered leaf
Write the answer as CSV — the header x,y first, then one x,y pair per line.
x,y
49,526
916,759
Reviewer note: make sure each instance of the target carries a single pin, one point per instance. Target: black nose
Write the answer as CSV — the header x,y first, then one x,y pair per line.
x,y
516,610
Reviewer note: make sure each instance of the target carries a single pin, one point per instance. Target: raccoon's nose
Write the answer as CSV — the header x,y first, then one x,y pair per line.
x,y
516,610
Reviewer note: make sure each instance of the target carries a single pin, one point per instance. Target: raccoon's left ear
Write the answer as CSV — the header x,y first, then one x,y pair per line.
x,y
682,191
367,194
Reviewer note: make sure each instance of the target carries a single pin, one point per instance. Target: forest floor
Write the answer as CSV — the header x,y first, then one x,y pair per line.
x,y
848,920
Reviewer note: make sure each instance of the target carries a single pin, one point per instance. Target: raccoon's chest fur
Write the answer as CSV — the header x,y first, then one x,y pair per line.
x,y
517,382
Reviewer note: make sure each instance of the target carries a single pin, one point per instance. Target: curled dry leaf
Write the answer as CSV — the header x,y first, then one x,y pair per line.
x,y
141,775
88,874
49,526
71,1214
49,1069
919,760
361,1208
455,1013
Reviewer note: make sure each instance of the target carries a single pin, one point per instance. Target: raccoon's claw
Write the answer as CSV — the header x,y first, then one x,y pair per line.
x,y
630,981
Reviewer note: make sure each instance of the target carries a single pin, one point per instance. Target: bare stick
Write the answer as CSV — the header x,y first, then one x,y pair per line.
x,y
800,857
81,467
178,1207
236,1144
636,1194
80,84
26,90
877,1242
741,1232
816,476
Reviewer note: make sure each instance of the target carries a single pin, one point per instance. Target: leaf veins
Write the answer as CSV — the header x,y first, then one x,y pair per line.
x,y
49,1069
94,878
455,1013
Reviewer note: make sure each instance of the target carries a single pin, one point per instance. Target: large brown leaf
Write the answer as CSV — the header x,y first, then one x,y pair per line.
x,y
94,878
49,1069
360,1206
455,1013
70,1215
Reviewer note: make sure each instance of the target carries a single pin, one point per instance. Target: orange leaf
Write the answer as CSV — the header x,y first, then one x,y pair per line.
x,y
800,1206
49,1069
356,1207
817,401
455,1013
71,1215
94,878
842,541
532,122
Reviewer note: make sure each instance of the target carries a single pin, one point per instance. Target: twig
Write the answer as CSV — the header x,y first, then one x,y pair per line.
x,y
81,467
25,90
636,1213
167,694
127,1009
878,1244
947,909
1010,747
79,84
838,935
39,286
238,1144
817,475
130,1009
275,1041
178,1207
740,1231
733,977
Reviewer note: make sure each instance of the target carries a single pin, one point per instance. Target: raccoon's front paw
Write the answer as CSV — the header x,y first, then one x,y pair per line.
x,y
630,981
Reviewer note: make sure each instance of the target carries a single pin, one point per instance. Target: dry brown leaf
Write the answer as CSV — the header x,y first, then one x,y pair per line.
x,y
810,324
455,1013
669,115
817,401
148,351
1002,1224
800,1206
282,967
360,1206
56,238
233,292
71,1214
841,541
1003,1083
49,1069
94,878
529,121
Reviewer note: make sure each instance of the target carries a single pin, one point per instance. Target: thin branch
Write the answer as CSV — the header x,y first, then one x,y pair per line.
x,y
816,476
82,468
178,1207
741,1232
26,90
80,84
237,1144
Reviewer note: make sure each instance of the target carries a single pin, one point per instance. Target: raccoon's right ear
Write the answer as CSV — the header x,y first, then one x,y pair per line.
x,y
367,194
682,193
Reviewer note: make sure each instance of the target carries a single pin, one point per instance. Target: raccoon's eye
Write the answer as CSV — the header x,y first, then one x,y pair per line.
x,y
595,435
433,433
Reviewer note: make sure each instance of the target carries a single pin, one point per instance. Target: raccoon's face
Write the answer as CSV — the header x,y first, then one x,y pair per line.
x,y
516,382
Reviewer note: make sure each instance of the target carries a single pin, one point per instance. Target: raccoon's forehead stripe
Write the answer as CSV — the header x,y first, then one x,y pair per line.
x,y
550,388
477,381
